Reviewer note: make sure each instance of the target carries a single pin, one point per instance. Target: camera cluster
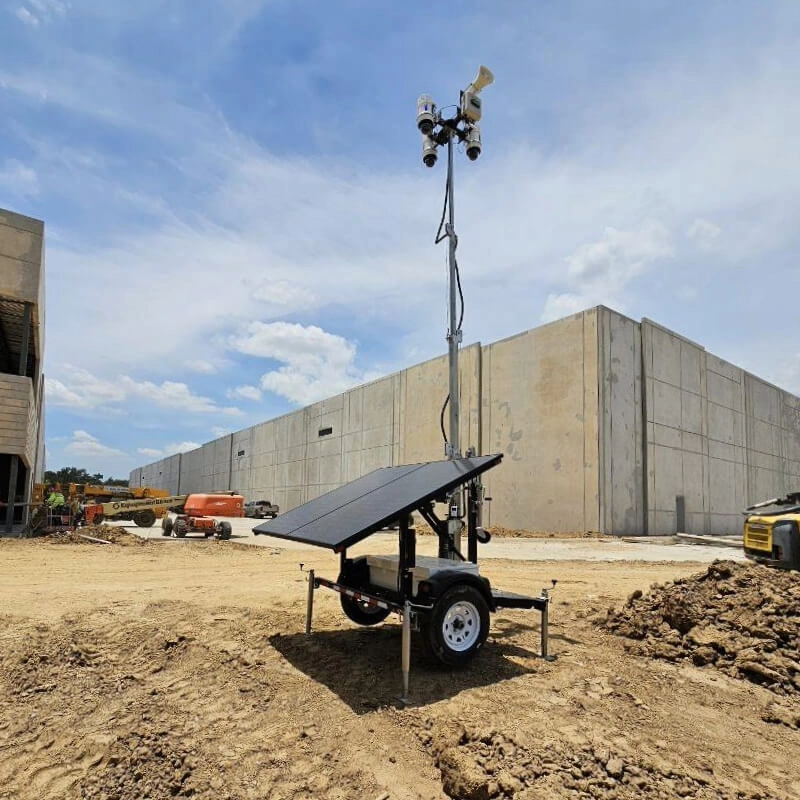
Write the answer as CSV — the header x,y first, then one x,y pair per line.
x,y
465,126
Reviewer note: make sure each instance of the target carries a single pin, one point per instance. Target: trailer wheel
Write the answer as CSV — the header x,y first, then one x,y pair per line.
x,y
166,526
224,530
458,625
180,528
362,613
145,518
357,610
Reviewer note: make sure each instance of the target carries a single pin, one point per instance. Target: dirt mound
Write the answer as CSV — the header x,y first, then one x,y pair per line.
x,y
742,618
108,533
166,705
488,765
149,764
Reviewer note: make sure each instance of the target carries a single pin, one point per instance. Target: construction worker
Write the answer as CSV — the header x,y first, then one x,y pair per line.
x,y
55,498
76,510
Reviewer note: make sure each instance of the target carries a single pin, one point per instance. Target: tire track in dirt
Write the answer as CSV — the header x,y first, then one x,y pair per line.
x,y
178,702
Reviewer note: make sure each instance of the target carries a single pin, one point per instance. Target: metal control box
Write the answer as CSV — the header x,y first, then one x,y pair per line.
x,y
383,569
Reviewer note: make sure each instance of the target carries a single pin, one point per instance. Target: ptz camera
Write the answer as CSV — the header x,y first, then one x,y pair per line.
x,y
426,114
473,143
429,154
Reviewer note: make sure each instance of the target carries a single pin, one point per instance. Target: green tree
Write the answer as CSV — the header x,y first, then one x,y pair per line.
x,y
78,475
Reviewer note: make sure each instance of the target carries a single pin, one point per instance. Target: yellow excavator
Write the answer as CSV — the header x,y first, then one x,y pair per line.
x,y
772,533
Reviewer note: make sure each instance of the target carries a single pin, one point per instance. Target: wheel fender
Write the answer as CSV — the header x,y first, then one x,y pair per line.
x,y
442,581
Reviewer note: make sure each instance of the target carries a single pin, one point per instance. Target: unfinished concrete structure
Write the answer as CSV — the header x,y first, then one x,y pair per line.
x,y
21,348
606,424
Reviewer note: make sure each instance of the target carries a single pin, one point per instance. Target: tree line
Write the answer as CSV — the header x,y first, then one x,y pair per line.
x,y
77,475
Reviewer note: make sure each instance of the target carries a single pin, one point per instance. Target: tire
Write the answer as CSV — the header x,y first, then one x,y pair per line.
x,y
457,626
145,518
224,530
180,528
359,612
166,526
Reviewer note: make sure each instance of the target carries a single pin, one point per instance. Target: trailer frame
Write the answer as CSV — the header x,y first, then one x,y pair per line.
x,y
313,525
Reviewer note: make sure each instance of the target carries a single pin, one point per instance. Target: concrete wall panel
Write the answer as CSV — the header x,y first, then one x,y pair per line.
x,y
534,413
603,422
620,388
21,260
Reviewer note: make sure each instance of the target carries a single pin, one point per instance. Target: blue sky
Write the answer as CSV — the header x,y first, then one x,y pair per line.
x,y
238,221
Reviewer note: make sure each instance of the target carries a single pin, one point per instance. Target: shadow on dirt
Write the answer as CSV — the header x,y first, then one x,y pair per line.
x,y
509,630
362,666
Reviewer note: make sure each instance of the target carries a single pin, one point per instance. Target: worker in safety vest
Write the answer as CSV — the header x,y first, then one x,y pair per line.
x,y
55,499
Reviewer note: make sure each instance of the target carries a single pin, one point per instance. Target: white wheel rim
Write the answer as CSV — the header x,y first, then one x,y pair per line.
x,y
461,626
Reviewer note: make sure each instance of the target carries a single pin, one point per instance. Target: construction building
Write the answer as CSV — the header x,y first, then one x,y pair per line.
x,y
606,424
21,350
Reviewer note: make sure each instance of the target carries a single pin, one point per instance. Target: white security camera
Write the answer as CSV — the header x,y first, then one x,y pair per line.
x,y
473,142
429,154
470,102
426,114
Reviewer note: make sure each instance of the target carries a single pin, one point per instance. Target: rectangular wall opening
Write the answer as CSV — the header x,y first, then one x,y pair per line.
x,y
19,496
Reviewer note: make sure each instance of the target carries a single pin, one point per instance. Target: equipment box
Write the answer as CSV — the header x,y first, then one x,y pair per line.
x,y
383,569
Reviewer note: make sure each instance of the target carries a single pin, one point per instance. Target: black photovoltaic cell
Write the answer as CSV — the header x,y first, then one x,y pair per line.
x,y
352,512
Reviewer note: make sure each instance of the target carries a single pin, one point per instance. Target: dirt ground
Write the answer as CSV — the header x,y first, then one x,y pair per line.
x,y
157,671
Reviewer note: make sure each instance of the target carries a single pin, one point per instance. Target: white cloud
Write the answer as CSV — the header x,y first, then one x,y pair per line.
x,y
25,16
18,178
316,363
200,366
181,447
620,255
151,452
244,392
78,388
173,395
168,450
268,237
286,341
704,233
217,431
599,272
557,306
41,11
87,446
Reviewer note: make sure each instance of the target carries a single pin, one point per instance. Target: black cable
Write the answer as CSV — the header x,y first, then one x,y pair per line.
x,y
461,296
441,418
439,235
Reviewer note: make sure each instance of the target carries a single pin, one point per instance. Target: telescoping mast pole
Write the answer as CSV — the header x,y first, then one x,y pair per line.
x,y
436,131
454,331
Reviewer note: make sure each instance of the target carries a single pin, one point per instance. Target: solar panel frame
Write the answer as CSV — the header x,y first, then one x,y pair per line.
x,y
351,513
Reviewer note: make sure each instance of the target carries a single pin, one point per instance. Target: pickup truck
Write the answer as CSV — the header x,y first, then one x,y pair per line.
x,y
260,509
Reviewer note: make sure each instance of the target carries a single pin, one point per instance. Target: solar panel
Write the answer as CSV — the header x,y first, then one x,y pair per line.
x,y
352,512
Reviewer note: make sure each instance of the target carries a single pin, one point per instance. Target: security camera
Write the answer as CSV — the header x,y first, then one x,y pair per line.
x,y
470,102
426,114
429,154
473,142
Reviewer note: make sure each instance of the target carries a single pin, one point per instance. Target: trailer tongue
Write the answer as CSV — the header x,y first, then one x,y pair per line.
x,y
445,599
